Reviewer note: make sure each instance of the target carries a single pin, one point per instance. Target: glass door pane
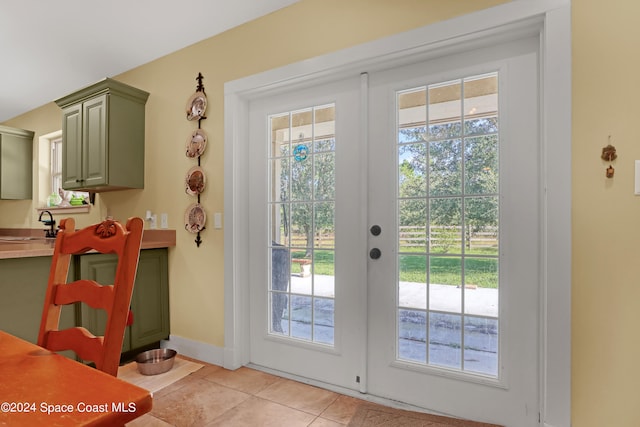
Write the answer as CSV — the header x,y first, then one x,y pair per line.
x,y
447,165
302,216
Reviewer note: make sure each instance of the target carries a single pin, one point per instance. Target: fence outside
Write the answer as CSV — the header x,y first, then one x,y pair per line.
x,y
439,236
446,237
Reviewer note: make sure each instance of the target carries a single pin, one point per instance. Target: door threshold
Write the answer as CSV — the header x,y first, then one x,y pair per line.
x,y
396,404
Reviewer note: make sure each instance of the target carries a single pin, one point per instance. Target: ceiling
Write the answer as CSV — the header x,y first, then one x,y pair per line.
x,y
52,48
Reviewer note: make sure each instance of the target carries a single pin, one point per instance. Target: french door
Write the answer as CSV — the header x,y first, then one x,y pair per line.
x,y
307,308
395,233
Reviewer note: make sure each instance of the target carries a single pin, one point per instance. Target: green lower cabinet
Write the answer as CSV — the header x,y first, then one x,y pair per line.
x,y
23,284
149,303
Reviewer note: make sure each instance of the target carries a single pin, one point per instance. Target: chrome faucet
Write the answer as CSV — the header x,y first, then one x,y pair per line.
x,y
50,232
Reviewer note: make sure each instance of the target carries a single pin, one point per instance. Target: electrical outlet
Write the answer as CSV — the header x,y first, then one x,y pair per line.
x,y
164,220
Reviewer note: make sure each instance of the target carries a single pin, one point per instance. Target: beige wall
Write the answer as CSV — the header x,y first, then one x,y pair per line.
x,y
605,296
606,214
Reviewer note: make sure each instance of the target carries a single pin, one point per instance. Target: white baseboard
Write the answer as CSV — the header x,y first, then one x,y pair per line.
x,y
195,349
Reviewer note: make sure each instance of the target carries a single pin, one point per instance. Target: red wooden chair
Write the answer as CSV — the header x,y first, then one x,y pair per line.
x,y
108,236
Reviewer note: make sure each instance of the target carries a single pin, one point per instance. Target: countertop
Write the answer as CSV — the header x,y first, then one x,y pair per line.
x,y
151,239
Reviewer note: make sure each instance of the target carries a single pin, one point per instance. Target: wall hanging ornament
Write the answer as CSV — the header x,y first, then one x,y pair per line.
x,y
609,155
197,104
195,181
196,143
195,216
194,219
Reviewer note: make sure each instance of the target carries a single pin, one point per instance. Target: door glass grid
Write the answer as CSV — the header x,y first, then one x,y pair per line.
x,y
302,224
447,145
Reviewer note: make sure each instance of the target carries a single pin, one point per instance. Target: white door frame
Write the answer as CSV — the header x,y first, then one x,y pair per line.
x,y
551,19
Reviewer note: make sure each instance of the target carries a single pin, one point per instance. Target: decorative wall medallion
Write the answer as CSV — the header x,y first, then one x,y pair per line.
x,y
196,106
196,143
195,181
194,218
609,153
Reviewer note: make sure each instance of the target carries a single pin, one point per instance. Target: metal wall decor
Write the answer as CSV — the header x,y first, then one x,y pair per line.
x,y
609,154
195,216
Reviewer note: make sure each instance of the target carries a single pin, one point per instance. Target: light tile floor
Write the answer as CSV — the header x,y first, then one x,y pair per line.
x,y
214,396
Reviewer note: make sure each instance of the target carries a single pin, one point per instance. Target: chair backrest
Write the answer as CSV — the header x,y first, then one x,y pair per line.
x,y
110,237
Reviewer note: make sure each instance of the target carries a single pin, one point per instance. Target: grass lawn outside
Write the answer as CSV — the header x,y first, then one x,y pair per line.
x,y
445,269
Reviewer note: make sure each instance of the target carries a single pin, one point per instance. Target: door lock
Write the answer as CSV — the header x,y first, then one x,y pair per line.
x,y
376,230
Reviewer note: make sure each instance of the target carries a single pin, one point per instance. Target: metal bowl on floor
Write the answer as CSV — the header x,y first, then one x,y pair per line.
x,y
154,362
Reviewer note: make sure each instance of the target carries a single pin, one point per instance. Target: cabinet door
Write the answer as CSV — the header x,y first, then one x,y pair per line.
x,y
102,269
95,131
150,302
16,157
23,284
72,147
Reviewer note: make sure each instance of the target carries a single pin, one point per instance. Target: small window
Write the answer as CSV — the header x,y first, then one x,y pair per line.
x,y
56,165
64,198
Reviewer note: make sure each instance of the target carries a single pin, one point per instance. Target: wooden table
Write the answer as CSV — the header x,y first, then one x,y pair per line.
x,y
40,388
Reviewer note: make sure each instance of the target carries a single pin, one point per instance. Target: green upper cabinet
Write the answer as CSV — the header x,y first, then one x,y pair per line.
x,y
16,163
103,137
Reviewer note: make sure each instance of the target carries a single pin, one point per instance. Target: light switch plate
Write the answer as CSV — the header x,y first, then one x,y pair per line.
x,y
164,220
637,179
217,220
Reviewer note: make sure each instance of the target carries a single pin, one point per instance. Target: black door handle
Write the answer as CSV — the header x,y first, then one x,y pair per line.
x,y
375,253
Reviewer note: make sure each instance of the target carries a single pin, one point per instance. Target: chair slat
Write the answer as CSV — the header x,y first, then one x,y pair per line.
x,y
87,291
86,345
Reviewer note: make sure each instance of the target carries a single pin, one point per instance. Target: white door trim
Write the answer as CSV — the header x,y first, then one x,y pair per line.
x,y
549,18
